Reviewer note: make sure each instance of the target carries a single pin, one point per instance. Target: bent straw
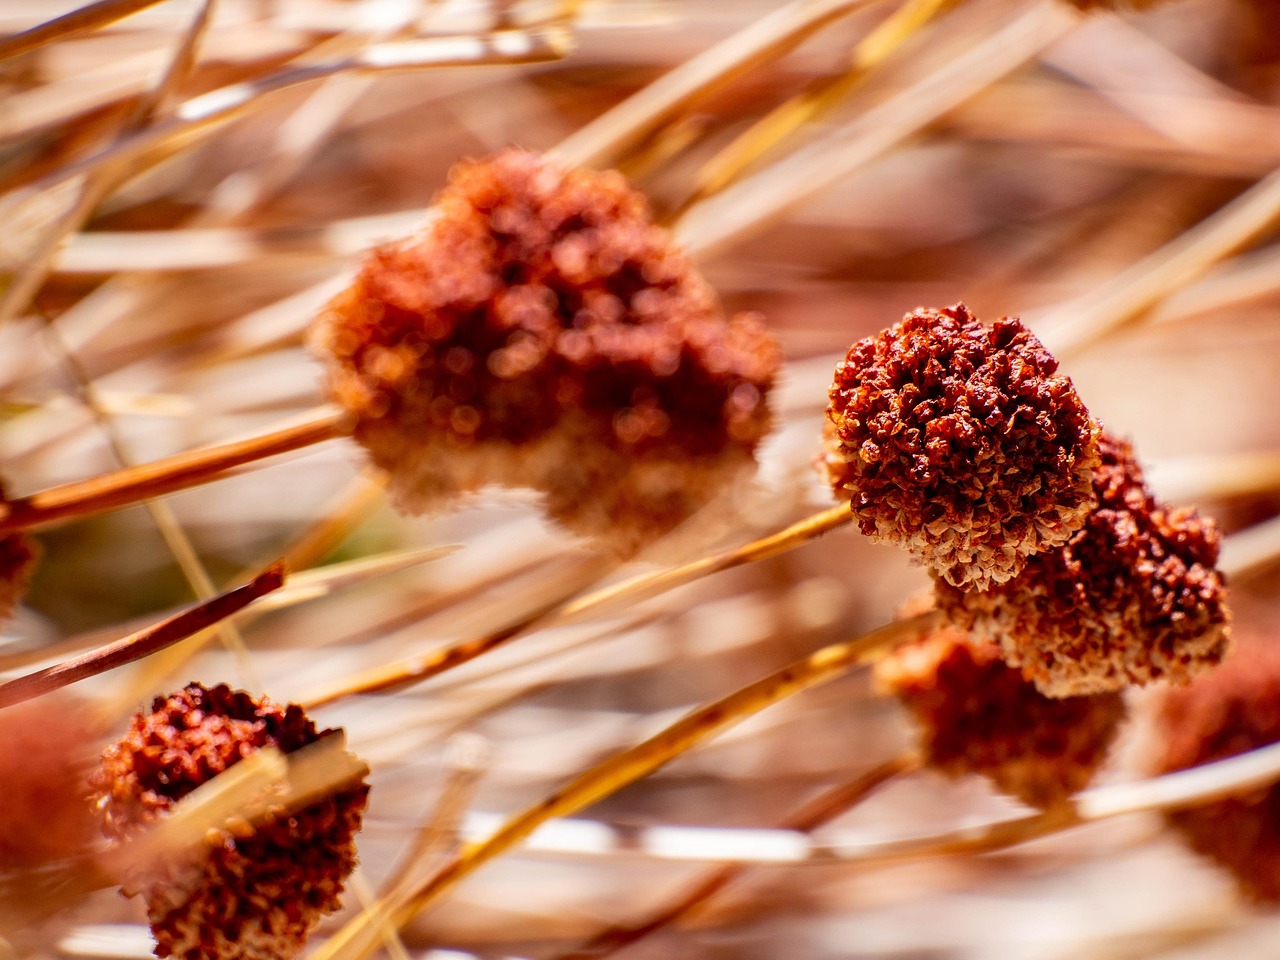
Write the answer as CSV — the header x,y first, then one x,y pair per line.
x,y
632,764
821,810
622,769
160,477
420,668
143,643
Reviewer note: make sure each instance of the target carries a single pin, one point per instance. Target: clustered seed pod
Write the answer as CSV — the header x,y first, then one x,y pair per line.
x,y
46,753
1230,711
542,332
17,558
1133,597
977,715
254,894
957,441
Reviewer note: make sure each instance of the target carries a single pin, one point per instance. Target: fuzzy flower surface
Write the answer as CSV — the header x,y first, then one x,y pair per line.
x,y
977,715
255,894
1133,597
542,332
959,442
1229,711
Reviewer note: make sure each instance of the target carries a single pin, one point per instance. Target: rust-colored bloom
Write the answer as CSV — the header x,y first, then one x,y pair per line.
x,y
254,894
977,715
542,332
17,559
46,752
1133,597
1229,711
957,441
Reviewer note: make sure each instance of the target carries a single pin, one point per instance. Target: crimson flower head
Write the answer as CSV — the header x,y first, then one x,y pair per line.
x,y
542,332
1229,711
977,715
1133,597
959,442
253,893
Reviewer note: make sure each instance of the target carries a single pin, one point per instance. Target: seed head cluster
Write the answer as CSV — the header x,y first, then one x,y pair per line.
x,y
257,893
1132,597
542,332
977,715
1232,710
957,441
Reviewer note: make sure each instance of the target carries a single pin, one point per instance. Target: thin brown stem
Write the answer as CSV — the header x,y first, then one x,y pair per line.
x,y
143,643
628,766
89,17
420,668
160,477
821,810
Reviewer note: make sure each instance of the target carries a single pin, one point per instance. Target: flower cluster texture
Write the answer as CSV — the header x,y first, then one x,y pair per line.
x,y
959,442
542,332
977,715
1133,597
253,894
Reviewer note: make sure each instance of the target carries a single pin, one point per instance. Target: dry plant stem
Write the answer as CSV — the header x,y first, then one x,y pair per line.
x,y
728,165
1132,292
105,179
622,769
209,111
469,757
756,201
603,140
88,17
631,591
819,811
1204,784
143,643
160,477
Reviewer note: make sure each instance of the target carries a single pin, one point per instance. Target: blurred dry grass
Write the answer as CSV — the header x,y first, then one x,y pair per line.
x,y
184,298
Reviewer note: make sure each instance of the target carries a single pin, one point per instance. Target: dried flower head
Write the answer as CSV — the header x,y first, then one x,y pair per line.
x,y
1133,597
979,715
46,753
957,441
254,894
1229,711
542,332
17,558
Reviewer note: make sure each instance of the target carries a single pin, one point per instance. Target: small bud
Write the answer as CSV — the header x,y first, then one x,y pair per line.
x,y
1133,597
252,893
956,441
977,715
542,332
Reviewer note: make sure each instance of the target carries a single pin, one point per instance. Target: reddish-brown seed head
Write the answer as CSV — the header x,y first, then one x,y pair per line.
x,y
542,332
46,753
977,715
957,441
1229,711
254,896
1131,598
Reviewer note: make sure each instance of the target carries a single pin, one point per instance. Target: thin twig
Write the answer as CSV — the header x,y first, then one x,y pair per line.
x,y
159,477
88,17
143,643
420,668
628,766
817,812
